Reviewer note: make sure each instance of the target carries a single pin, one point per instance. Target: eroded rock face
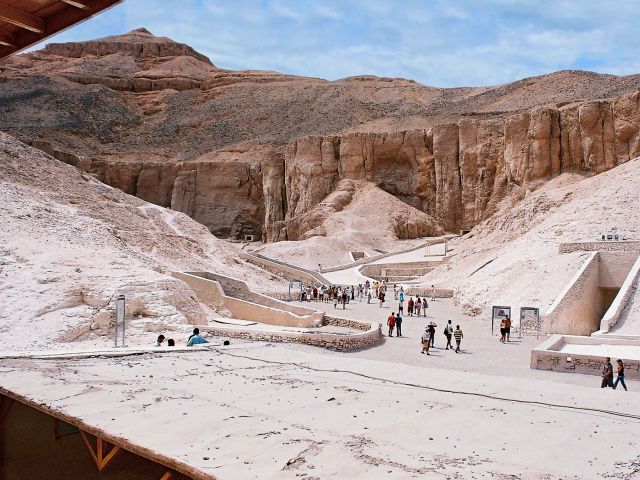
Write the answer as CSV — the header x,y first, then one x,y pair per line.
x,y
250,152
455,172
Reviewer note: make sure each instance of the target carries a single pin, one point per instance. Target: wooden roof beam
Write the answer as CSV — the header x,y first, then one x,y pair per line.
x,y
76,4
6,40
22,19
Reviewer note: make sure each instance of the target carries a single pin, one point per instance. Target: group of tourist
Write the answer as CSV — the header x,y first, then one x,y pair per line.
x,y
344,294
428,337
194,339
505,329
607,374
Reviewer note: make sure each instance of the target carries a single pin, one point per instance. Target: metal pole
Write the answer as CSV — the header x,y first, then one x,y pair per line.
x,y
120,309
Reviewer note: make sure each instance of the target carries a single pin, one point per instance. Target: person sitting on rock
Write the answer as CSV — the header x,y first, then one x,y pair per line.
x,y
196,338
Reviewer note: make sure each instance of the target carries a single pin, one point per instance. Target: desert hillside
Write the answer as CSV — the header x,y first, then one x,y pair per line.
x,y
254,152
513,257
69,244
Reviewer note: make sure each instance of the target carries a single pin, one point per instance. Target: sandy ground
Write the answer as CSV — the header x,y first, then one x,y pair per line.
x,y
313,421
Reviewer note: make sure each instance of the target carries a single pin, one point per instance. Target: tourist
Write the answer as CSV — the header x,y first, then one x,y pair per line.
x,y
507,327
159,341
381,298
395,291
448,332
418,306
425,305
196,338
410,304
368,296
398,325
457,334
401,294
344,299
400,307
171,342
607,374
315,294
433,293
353,292
391,322
503,330
432,330
426,340
335,301
620,378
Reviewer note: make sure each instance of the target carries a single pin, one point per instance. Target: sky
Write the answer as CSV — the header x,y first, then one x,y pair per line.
x,y
435,42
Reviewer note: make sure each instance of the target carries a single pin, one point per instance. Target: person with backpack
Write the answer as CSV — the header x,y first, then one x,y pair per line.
x,y
391,322
620,372
457,334
448,332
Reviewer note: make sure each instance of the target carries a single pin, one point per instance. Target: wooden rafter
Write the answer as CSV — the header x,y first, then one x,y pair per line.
x,y
76,4
6,40
97,454
166,476
21,19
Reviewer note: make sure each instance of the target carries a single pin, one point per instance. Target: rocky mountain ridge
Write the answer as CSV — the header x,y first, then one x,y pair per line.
x,y
254,152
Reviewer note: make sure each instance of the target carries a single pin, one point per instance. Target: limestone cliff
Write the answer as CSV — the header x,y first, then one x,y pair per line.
x,y
456,172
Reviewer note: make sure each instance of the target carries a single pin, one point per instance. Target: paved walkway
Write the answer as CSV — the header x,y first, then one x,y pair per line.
x,y
481,352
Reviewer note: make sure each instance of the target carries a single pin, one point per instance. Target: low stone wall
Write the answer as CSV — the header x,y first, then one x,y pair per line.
x,y
347,342
619,246
544,357
210,293
283,270
346,322
373,258
428,292
612,315
393,270
570,313
238,289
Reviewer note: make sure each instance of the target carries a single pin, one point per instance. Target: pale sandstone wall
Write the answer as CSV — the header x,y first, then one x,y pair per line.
x,y
211,294
458,172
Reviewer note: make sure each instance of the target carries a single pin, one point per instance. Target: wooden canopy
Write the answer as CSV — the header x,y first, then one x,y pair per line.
x,y
26,22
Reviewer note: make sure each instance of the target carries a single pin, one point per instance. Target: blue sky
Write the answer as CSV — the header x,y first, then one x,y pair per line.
x,y
436,42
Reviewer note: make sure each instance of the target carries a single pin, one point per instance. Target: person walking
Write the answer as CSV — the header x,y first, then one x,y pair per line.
x,y
344,299
398,325
391,322
432,330
457,334
401,294
507,327
381,298
503,330
410,305
426,340
448,332
425,305
620,372
418,306
433,293
607,374
400,307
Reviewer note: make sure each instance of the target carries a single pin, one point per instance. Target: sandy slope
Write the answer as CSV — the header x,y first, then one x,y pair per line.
x,y
521,240
360,217
69,244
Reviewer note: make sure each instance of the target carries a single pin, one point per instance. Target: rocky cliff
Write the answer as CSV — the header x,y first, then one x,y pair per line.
x,y
253,152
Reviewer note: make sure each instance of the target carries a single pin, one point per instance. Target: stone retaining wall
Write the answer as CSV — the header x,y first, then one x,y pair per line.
x,y
285,271
345,322
373,258
619,246
613,314
584,364
428,292
346,342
